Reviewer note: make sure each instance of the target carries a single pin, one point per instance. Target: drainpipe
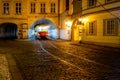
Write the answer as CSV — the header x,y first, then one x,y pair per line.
x,y
58,19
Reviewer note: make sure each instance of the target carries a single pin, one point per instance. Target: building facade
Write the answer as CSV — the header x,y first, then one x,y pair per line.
x,y
25,14
96,21
93,21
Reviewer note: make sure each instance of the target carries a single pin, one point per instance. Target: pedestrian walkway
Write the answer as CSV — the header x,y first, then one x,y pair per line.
x,y
98,44
4,68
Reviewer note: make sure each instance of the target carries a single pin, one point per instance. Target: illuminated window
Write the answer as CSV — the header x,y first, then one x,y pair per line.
x,y
92,3
110,27
18,8
6,8
32,7
52,7
42,7
92,28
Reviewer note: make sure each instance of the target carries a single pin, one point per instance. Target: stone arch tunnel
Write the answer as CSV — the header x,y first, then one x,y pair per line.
x,y
40,24
8,31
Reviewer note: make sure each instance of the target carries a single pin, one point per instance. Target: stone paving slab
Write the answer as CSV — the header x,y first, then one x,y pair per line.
x,y
4,68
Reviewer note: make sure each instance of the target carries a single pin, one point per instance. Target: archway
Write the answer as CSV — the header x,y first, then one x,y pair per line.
x,y
39,25
77,30
8,31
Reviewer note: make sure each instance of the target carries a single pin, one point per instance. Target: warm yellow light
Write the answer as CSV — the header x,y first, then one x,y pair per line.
x,y
68,23
68,28
80,27
85,20
80,19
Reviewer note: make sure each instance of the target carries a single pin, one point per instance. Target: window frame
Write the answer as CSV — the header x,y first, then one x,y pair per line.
x,y
67,4
113,27
18,8
52,7
42,8
92,28
33,7
6,6
91,4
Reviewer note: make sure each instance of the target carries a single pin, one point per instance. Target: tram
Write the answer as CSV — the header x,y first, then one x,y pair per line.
x,y
43,35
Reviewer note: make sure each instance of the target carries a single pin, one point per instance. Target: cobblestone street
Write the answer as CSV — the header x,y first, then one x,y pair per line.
x,y
58,60
4,69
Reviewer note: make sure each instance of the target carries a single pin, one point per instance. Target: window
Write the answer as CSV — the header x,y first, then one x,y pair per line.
x,y
42,7
18,8
52,7
92,28
6,8
77,6
32,7
67,4
110,27
92,3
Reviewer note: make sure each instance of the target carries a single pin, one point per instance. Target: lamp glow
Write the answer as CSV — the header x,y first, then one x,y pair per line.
x,y
83,20
68,23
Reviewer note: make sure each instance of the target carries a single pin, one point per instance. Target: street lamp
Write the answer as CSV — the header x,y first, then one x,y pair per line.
x,y
83,20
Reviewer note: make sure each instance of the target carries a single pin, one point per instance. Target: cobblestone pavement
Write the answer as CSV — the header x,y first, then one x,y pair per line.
x,y
63,60
4,69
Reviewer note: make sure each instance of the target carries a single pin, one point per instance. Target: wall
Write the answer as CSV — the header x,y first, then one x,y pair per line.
x,y
26,17
98,13
99,37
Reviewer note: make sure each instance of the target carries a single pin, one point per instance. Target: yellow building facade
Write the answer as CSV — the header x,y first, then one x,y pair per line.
x,y
98,22
91,21
28,13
